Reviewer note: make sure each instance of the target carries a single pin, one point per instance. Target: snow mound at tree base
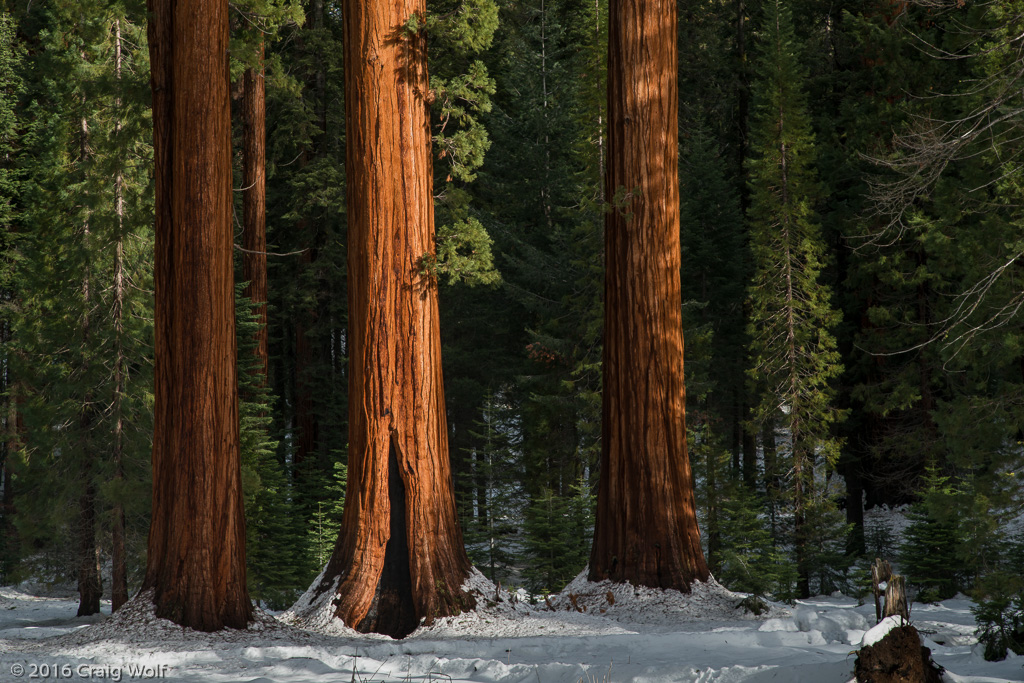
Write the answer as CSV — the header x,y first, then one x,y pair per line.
x,y
584,608
624,602
314,611
136,622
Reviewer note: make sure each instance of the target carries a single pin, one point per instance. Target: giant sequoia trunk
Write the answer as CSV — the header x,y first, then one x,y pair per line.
x,y
400,556
196,559
646,528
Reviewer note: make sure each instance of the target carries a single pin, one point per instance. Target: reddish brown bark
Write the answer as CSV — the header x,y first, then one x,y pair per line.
x,y
646,529
196,558
254,201
400,554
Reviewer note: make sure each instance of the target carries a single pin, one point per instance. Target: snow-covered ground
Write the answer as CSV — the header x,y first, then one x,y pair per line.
x,y
587,634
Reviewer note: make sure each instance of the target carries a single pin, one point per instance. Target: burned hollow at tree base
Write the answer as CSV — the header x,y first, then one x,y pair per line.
x,y
392,611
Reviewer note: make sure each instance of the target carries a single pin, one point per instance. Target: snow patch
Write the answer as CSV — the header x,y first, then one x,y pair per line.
x,y
314,610
834,625
624,602
882,629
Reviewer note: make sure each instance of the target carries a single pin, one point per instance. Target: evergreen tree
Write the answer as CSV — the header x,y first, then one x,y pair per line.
x,y
197,498
752,559
11,88
326,520
306,244
558,529
794,352
541,194
492,504
84,329
929,549
274,540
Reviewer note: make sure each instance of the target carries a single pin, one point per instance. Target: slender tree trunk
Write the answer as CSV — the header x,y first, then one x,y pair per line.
x,y
119,569
772,482
90,586
400,555
646,529
196,558
7,449
713,531
15,429
254,202
749,464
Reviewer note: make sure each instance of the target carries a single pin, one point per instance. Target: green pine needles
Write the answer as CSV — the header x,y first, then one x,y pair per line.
x,y
272,527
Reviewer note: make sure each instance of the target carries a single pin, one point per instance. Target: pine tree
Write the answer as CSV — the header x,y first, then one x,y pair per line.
x,y
752,559
929,549
491,504
794,352
11,88
557,532
325,522
82,329
540,197
306,238
274,539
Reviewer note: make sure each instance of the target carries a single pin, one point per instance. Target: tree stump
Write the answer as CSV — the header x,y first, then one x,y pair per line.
x,y
880,573
898,658
896,598
894,591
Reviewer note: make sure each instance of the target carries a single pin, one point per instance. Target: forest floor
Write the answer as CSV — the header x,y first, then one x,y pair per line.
x,y
641,636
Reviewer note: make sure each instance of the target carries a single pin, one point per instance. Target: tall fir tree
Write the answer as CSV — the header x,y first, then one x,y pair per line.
x,y
11,88
792,318
84,329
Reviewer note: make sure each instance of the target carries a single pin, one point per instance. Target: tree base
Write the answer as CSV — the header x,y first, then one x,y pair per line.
x,y
393,612
897,658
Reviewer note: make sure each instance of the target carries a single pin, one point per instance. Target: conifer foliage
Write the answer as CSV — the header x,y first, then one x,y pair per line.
x,y
794,350
83,337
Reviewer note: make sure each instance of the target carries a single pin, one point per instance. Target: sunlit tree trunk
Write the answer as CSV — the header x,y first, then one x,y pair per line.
x,y
196,558
400,553
646,528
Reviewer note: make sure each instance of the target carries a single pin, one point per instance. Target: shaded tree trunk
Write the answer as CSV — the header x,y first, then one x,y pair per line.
x,y
119,569
90,586
400,553
9,541
254,202
646,528
196,558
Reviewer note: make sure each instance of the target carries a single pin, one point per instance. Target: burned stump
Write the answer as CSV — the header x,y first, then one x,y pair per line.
x,y
899,657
